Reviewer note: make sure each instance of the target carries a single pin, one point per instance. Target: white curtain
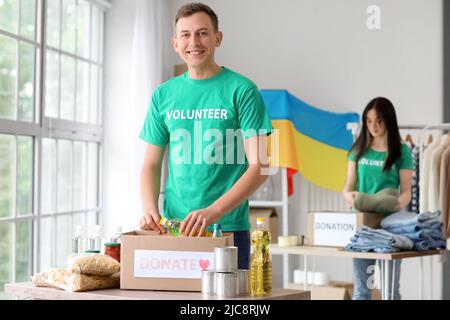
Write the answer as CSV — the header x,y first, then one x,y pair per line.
x,y
138,58
151,66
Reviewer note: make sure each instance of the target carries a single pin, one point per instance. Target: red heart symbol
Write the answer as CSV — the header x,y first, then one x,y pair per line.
x,y
204,264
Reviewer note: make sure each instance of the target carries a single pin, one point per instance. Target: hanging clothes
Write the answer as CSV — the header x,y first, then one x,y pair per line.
x,y
444,190
435,167
424,176
415,187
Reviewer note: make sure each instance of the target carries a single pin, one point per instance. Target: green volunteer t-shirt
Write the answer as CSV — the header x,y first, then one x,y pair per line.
x,y
372,178
205,123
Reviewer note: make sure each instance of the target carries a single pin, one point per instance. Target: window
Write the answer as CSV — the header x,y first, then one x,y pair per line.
x,y
51,71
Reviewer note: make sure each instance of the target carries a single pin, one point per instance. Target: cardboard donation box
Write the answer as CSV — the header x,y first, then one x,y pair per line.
x,y
161,262
271,219
332,228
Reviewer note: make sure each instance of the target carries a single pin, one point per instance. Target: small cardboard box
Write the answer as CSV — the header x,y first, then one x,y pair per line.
x,y
376,293
336,290
150,261
271,218
328,228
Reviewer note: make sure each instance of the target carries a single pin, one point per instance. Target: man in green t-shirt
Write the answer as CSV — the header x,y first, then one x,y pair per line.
x,y
215,124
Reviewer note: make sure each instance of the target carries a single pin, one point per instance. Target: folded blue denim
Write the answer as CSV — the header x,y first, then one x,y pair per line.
x,y
423,245
367,239
405,218
414,227
354,247
424,229
361,244
425,234
383,237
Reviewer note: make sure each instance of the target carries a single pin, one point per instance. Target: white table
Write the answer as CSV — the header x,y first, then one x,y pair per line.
x,y
382,258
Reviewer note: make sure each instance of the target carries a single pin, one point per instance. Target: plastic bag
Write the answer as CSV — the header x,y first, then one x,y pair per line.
x,y
93,264
74,282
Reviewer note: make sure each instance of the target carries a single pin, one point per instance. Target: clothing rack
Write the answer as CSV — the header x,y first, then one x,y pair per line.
x,y
422,136
444,127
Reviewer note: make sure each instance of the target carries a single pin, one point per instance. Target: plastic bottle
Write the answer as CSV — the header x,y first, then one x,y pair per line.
x,y
78,240
116,237
95,240
260,264
217,230
171,226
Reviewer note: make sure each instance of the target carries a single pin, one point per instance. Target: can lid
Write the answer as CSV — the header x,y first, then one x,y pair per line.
x,y
112,244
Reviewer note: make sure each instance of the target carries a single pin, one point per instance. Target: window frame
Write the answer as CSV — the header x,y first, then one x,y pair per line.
x,y
45,127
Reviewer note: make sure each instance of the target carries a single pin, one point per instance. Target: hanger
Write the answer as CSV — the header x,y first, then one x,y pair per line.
x,y
410,140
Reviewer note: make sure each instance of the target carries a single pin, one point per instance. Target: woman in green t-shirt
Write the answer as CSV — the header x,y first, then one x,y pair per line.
x,y
378,160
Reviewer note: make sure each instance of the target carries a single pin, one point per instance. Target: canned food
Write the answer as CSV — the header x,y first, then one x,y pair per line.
x,y
208,285
226,259
227,284
243,281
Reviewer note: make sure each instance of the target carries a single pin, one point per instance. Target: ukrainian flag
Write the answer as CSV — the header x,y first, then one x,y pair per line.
x,y
312,141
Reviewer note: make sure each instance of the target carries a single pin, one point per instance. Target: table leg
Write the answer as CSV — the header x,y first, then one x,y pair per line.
x,y
381,268
305,275
386,279
421,278
431,277
393,280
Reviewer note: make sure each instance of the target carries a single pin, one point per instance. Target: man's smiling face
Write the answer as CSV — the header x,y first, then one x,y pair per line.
x,y
196,40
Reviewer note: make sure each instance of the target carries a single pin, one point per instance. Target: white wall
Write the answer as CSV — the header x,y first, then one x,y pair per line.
x,y
321,51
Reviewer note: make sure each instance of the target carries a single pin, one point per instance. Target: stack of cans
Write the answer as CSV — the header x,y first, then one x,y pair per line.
x,y
226,280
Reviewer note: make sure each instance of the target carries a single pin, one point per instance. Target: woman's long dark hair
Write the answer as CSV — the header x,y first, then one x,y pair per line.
x,y
385,110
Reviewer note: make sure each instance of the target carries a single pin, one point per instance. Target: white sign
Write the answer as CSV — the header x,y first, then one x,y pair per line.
x,y
334,229
171,264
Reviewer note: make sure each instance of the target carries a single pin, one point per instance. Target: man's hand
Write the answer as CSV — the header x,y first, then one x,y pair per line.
x,y
150,221
198,220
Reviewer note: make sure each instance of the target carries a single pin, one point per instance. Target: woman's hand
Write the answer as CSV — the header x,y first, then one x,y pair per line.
x,y
350,196
198,221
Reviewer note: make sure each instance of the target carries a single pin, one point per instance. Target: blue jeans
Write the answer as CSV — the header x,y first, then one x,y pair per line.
x,y
362,270
242,241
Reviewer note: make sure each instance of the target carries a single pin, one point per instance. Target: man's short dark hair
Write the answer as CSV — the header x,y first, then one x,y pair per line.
x,y
194,7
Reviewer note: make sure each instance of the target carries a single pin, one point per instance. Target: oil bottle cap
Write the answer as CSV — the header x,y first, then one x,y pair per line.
x,y
217,226
163,220
260,219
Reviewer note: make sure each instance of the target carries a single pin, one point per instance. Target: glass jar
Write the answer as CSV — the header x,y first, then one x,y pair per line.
x,y
112,249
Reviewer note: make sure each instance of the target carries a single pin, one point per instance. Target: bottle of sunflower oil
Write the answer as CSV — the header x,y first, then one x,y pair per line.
x,y
260,264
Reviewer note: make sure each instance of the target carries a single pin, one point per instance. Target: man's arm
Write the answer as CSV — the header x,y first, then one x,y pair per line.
x,y
247,184
150,187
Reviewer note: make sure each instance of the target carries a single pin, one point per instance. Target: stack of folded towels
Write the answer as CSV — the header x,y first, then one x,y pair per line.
x,y
424,229
401,231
